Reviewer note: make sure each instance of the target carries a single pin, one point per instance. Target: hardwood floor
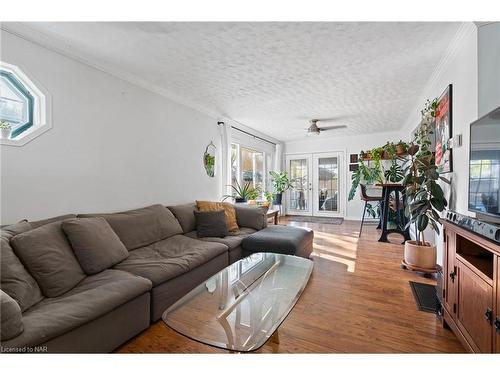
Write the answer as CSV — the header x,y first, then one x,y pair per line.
x,y
358,300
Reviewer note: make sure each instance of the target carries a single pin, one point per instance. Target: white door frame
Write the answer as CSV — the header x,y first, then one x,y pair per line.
x,y
340,183
313,193
308,192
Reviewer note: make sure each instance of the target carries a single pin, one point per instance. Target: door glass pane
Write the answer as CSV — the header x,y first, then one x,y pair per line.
x,y
300,185
328,184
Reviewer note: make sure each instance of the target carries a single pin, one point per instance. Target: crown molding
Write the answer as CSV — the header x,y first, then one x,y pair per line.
x,y
465,30
30,35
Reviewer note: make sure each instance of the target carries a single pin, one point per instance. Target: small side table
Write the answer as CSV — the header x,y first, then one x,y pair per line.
x,y
398,190
273,214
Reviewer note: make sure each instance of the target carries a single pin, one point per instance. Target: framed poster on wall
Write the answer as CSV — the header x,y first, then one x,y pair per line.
x,y
443,132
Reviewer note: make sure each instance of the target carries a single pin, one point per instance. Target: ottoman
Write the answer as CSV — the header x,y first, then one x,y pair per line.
x,y
280,239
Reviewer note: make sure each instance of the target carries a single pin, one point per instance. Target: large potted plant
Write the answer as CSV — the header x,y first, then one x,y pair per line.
x,y
281,183
424,196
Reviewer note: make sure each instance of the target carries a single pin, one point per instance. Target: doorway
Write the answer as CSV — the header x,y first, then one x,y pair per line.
x,y
317,184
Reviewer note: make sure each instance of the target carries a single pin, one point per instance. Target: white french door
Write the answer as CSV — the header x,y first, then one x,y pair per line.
x,y
317,184
299,196
328,175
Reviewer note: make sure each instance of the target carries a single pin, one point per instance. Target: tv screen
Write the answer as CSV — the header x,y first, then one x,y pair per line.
x,y
484,164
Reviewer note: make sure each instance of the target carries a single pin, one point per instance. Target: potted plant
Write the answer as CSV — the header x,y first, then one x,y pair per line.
x,y
242,194
424,196
390,150
281,183
269,196
6,129
401,148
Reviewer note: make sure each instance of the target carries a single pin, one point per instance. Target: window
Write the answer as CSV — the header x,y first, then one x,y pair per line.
x,y
248,166
16,104
23,106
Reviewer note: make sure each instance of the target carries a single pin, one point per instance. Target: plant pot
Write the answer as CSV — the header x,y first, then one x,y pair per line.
x,y
240,200
278,197
420,256
6,133
413,149
400,150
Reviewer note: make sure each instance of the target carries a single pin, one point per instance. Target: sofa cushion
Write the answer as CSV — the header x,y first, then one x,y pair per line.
x,y
11,317
14,278
39,223
143,226
251,216
169,258
211,224
232,240
232,224
93,297
280,239
185,215
47,254
96,245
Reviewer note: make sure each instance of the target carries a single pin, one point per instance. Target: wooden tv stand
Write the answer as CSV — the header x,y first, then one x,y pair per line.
x,y
471,289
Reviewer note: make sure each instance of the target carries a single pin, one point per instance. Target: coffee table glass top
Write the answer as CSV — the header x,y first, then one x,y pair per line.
x,y
243,305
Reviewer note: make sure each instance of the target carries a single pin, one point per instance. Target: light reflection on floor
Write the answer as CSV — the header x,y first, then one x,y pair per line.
x,y
336,247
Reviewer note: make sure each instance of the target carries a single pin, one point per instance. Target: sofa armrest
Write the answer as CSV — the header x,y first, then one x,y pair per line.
x,y
251,216
12,319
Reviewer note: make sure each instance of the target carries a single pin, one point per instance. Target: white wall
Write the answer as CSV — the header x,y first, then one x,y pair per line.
x,y
460,68
113,145
489,67
349,145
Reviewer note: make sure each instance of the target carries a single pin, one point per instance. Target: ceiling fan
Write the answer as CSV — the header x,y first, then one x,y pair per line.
x,y
314,129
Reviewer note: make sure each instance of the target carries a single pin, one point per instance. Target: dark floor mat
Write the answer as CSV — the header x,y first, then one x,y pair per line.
x,y
425,296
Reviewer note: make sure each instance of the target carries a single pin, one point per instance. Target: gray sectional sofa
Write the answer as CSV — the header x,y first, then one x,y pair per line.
x,y
50,304
62,290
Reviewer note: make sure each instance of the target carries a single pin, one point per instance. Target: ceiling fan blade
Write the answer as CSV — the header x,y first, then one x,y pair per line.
x,y
323,128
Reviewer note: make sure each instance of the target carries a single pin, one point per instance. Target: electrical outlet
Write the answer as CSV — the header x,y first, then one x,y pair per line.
x,y
455,142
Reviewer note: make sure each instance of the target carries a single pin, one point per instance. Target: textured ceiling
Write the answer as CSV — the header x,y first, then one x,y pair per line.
x,y
270,76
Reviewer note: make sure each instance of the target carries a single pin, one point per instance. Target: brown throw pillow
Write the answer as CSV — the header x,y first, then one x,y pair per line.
x,y
229,211
47,254
96,246
211,224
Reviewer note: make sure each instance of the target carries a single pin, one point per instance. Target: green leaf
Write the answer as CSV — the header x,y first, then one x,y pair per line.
x,y
422,222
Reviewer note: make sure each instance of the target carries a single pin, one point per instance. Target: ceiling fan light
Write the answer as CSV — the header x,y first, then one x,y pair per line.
x,y
311,133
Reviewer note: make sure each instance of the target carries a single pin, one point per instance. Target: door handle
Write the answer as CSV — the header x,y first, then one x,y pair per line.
x,y
489,315
497,325
453,274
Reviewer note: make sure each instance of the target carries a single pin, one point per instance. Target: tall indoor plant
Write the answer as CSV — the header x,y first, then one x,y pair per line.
x,y
424,196
281,183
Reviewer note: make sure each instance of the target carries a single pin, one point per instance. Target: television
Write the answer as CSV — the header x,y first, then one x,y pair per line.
x,y
484,164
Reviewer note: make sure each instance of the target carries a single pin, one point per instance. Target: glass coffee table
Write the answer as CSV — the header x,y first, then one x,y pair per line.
x,y
243,305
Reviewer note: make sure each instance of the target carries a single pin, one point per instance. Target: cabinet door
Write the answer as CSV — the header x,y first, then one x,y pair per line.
x,y
450,273
475,297
497,321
